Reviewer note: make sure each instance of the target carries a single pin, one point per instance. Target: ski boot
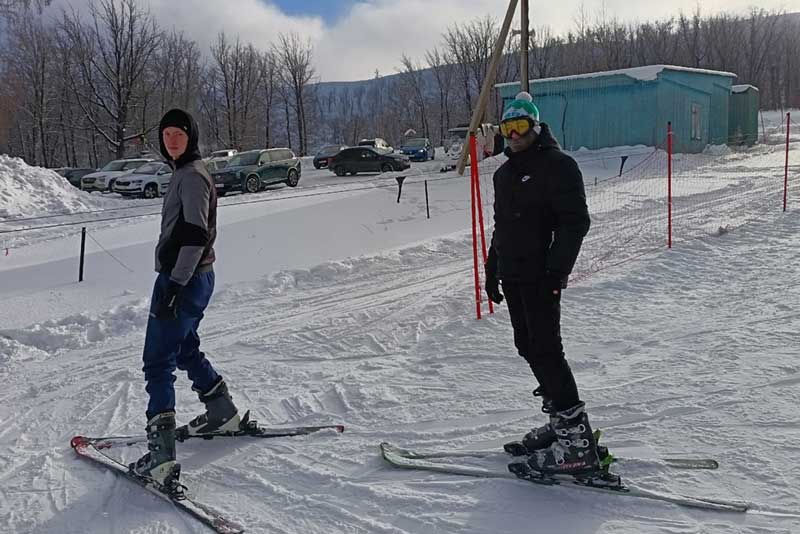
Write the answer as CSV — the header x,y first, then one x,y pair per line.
x,y
159,462
221,414
538,438
574,451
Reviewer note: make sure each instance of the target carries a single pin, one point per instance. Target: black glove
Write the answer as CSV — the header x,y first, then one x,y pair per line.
x,y
493,289
167,306
492,286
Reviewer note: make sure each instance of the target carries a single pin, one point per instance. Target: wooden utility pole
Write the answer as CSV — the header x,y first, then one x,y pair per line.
x,y
488,83
525,43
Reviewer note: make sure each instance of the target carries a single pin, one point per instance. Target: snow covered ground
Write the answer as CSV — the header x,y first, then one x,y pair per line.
x,y
336,304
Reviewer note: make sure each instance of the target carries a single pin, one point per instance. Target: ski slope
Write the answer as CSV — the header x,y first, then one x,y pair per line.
x,y
351,308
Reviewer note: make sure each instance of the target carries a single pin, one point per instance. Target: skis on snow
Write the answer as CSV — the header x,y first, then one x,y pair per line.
x,y
92,449
516,448
247,428
603,481
176,495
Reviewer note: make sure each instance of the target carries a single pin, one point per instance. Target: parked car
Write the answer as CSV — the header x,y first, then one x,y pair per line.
x,y
224,153
103,180
151,180
216,164
418,149
219,159
366,159
378,143
321,158
458,141
251,171
74,174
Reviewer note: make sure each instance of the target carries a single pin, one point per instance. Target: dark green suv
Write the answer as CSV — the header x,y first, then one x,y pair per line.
x,y
253,170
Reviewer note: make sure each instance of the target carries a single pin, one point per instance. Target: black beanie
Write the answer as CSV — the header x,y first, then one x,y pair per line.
x,y
178,118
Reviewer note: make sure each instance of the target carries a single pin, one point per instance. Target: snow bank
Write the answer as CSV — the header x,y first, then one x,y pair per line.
x,y
73,332
29,191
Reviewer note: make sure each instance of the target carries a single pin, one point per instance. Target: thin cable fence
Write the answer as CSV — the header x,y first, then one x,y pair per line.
x,y
109,253
714,191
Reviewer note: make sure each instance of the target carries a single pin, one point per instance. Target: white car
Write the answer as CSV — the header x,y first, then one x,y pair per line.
x,y
151,180
218,159
103,180
378,143
458,141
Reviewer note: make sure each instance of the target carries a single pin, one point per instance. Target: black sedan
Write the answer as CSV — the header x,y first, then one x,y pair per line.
x,y
326,153
365,159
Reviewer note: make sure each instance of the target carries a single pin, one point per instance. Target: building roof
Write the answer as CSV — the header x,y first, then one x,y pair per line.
x,y
646,73
743,88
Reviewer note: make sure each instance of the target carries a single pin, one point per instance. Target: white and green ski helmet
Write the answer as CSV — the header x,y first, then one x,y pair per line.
x,y
522,107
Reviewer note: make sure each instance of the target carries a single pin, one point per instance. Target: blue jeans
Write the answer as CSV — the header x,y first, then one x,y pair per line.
x,y
174,343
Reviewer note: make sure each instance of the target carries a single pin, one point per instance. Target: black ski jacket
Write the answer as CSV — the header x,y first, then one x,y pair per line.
x,y
540,214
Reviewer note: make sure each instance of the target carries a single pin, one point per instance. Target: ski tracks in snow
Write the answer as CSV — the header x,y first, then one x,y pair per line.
x,y
388,345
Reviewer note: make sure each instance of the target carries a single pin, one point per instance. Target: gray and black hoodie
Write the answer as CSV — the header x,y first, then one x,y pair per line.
x,y
189,214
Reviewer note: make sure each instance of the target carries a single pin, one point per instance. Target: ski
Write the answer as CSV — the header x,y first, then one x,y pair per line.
x,y
516,448
675,463
205,514
604,482
247,428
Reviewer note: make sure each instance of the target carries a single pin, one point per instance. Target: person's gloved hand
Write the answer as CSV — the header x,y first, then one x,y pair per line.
x,y
492,285
493,289
167,306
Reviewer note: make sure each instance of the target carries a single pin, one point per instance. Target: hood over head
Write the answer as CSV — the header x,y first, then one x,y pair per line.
x,y
179,118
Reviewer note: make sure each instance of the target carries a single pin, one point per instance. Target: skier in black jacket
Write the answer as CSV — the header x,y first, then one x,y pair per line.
x,y
185,263
541,218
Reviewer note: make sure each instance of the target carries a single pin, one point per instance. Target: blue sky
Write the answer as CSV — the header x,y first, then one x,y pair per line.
x,y
329,10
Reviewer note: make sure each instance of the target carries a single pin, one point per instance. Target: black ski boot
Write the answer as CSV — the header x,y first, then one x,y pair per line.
x,y
544,436
538,438
221,414
574,452
159,462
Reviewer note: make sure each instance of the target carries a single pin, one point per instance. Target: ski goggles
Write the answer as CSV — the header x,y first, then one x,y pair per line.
x,y
521,126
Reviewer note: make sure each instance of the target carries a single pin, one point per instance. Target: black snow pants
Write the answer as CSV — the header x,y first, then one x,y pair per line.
x,y
536,319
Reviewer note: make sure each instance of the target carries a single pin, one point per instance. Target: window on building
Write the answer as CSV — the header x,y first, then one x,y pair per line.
x,y
697,122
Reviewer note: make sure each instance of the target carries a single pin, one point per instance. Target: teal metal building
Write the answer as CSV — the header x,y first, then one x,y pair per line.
x,y
633,106
743,121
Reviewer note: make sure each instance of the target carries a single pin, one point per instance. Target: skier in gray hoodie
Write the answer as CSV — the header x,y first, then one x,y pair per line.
x,y
184,262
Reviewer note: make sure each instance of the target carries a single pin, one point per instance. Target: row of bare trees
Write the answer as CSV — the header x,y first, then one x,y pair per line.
x,y
82,90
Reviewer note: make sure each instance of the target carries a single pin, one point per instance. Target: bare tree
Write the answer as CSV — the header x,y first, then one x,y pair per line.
x,y
724,40
412,77
655,43
544,53
12,8
456,40
238,74
111,57
31,59
269,74
693,33
612,45
762,32
297,71
442,75
285,96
